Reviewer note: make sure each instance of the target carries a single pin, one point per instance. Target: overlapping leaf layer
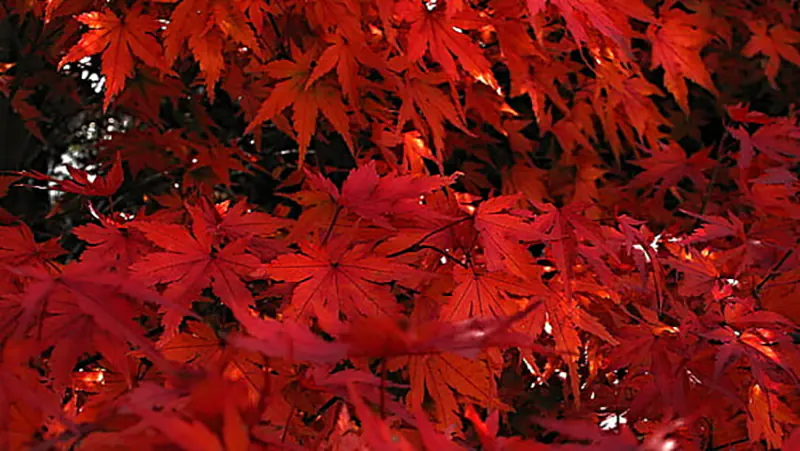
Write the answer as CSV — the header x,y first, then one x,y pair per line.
x,y
403,224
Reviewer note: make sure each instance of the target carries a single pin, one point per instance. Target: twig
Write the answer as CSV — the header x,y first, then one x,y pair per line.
x,y
384,371
416,246
714,174
773,272
332,224
288,422
787,282
729,444
445,253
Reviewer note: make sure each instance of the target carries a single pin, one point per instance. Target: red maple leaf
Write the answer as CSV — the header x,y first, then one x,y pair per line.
x,y
776,43
428,107
203,25
112,241
777,139
119,38
436,30
378,199
19,248
191,262
502,227
306,101
83,183
223,222
481,294
336,280
609,18
564,229
87,290
668,165
677,44
700,274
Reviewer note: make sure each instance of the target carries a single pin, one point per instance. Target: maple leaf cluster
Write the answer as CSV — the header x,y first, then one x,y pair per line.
x,y
400,224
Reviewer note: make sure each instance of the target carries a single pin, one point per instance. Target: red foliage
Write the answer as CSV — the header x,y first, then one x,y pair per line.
x,y
565,224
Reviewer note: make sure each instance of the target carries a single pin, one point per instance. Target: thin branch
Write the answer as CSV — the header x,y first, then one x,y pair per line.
x,y
288,422
332,224
416,246
773,272
445,253
729,444
721,154
384,371
780,284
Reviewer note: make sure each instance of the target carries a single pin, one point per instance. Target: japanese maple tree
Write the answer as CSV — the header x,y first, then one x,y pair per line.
x,y
399,224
